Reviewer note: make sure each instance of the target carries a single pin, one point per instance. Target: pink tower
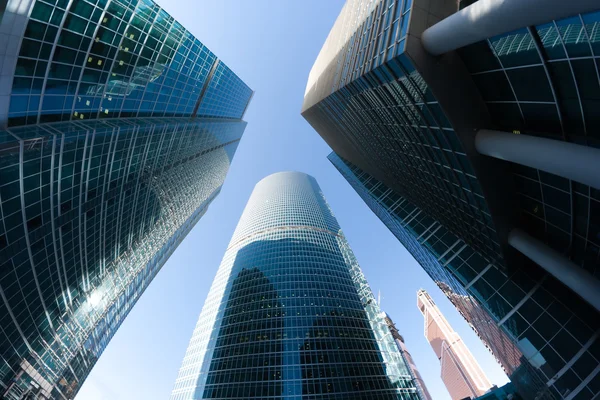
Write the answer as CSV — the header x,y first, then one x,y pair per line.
x,y
461,373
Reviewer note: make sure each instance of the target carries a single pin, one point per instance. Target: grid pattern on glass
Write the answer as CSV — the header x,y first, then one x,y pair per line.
x,y
226,95
364,36
92,59
89,213
386,119
389,120
408,359
544,80
289,314
378,38
542,335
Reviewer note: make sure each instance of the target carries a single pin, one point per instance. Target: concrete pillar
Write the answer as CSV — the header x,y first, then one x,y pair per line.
x,y
572,161
487,18
573,276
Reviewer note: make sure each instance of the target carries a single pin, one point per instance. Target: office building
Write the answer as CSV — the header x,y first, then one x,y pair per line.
x,y
408,360
290,314
430,138
119,129
460,372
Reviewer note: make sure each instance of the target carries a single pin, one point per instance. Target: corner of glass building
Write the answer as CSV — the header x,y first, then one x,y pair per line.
x,y
453,143
119,128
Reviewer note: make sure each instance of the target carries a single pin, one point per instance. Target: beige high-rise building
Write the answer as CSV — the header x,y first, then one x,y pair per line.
x,y
461,373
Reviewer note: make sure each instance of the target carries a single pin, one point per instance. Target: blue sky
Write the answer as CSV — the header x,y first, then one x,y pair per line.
x,y
271,45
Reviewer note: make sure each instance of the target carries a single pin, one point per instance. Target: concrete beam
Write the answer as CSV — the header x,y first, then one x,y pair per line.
x,y
573,276
572,161
487,18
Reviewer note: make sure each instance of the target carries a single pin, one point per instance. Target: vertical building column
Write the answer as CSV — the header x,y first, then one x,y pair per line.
x,y
573,276
487,18
572,161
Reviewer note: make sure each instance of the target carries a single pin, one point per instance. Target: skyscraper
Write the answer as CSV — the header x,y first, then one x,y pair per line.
x,y
453,265
511,237
461,373
91,205
290,314
408,360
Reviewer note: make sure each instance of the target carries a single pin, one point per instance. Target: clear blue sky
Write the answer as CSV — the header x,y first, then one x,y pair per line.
x,y
271,45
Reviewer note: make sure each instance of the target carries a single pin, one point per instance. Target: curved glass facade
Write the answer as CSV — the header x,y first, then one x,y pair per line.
x,y
89,59
404,134
120,129
374,108
402,121
289,314
543,337
90,212
544,80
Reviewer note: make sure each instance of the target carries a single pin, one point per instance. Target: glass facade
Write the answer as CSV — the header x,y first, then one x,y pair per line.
x,y
403,132
544,80
408,360
90,212
409,132
387,120
290,314
93,59
120,127
545,338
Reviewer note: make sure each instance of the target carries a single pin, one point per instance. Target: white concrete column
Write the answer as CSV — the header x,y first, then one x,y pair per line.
x,y
487,18
573,276
572,161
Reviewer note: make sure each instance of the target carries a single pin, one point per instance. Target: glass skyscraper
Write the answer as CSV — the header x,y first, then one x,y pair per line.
x,y
478,151
77,60
120,127
290,314
408,359
525,318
